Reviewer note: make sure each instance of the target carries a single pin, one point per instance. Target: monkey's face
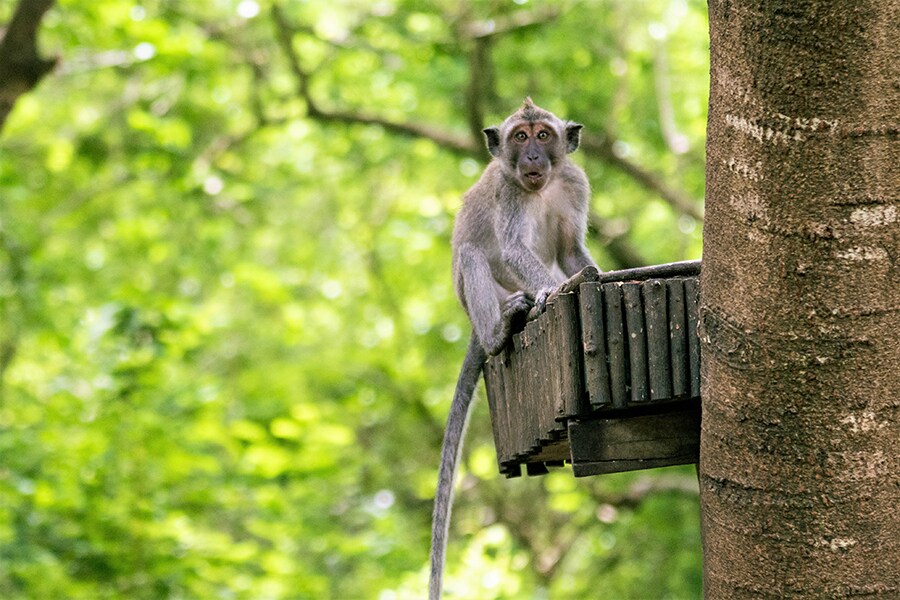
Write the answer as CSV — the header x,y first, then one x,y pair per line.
x,y
530,143
532,149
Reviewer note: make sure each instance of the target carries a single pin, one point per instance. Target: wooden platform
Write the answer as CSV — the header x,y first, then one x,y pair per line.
x,y
607,378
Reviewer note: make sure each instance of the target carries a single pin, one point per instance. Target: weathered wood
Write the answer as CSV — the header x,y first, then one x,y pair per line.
x,y
494,397
536,468
615,361
531,399
610,445
615,344
636,340
593,334
570,354
692,302
516,404
545,408
505,384
681,385
659,367
687,268
554,404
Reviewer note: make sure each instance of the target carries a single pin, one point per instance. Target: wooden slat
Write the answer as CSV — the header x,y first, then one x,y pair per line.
x,y
494,397
692,302
570,353
636,340
515,399
607,445
615,343
681,385
552,401
531,398
593,334
659,367
687,268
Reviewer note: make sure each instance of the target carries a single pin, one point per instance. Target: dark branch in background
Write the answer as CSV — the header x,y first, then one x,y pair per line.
x,y
480,86
481,83
602,148
506,23
614,238
21,68
457,143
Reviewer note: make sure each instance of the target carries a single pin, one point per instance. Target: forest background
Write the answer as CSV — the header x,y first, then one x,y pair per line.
x,y
229,337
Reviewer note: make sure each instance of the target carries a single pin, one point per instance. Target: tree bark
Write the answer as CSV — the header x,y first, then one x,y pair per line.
x,y
21,68
799,466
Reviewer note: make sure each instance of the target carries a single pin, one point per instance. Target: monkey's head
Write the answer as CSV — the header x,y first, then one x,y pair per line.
x,y
530,143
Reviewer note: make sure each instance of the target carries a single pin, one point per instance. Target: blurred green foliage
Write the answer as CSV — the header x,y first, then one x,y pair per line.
x,y
229,338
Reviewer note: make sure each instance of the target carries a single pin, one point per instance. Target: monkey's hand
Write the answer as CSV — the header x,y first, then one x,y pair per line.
x,y
512,314
540,298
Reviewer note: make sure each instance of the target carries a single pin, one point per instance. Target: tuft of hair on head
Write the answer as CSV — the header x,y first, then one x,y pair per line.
x,y
528,103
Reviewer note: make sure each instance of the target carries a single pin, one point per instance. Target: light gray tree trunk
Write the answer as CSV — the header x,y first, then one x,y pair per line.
x,y
800,450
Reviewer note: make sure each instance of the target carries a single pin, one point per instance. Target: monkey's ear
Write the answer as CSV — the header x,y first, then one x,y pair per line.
x,y
573,136
492,135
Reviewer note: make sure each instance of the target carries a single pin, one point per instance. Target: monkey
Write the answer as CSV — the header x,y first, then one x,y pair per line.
x,y
518,236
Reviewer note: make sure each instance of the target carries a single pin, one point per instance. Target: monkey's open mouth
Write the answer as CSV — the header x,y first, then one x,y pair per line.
x,y
534,176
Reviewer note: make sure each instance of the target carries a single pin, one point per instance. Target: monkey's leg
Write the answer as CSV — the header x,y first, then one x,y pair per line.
x,y
491,322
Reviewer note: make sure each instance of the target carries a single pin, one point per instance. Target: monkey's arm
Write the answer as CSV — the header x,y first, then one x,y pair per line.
x,y
492,323
576,260
573,255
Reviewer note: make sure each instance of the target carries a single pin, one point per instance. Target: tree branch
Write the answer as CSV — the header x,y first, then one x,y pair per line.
x,y
506,23
615,241
602,148
599,147
449,140
480,84
21,68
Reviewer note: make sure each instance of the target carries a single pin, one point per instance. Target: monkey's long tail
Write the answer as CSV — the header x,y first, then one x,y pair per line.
x,y
450,452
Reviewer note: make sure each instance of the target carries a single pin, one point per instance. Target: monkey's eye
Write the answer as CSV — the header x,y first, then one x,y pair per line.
x,y
521,136
542,135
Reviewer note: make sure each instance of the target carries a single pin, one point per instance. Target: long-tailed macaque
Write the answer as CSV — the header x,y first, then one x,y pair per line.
x,y
519,235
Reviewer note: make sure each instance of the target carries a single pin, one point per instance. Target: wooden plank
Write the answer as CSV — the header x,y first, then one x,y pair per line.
x,y
593,335
544,365
507,385
515,400
536,468
636,340
659,367
692,302
610,445
615,343
687,268
553,429
551,326
681,385
586,469
533,400
570,353
494,394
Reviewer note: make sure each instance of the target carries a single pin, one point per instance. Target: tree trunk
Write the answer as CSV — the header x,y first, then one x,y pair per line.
x,y
800,450
20,66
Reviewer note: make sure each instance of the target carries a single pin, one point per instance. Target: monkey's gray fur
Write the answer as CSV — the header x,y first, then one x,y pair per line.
x,y
519,234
